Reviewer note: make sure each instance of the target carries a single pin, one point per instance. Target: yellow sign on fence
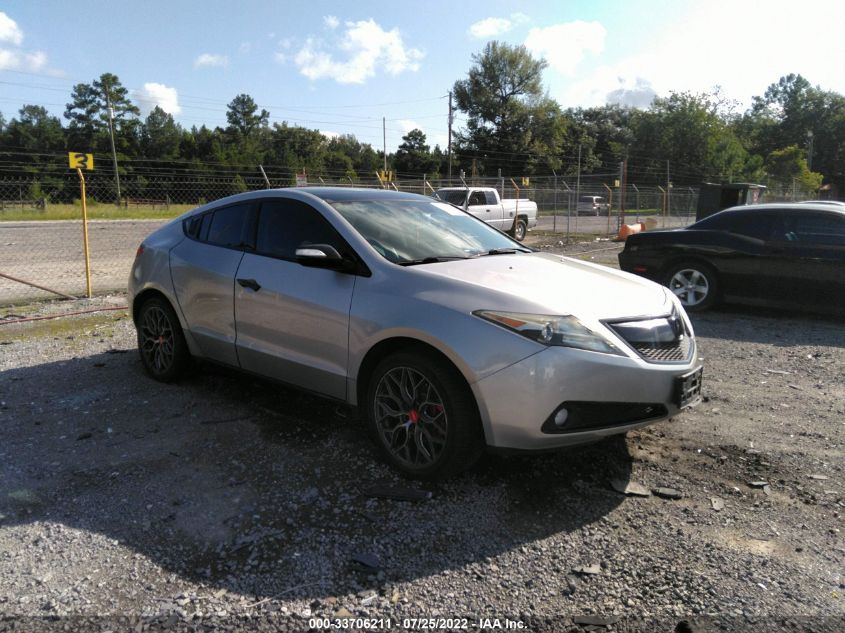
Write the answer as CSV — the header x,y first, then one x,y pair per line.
x,y
77,160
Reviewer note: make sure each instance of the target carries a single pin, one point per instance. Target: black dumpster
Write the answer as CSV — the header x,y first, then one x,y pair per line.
x,y
714,197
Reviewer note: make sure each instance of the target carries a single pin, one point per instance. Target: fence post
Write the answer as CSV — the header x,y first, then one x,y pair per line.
x,y
85,234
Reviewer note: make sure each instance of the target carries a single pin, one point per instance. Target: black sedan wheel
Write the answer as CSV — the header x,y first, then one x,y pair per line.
x,y
423,419
161,343
694,284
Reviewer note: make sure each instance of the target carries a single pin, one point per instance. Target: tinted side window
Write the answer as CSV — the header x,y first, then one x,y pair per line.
x,y
231,226
491,197
477,197
284,225
815,228
756,225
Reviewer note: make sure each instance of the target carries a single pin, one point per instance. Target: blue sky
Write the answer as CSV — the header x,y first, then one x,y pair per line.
x,y
340,67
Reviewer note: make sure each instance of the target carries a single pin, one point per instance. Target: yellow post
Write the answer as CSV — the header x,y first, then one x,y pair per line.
x,y
85,234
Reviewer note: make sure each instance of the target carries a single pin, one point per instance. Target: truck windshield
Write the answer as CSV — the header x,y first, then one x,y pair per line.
x,y
411,231
456,196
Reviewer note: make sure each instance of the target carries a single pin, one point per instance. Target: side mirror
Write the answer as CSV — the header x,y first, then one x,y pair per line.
x,y
322,256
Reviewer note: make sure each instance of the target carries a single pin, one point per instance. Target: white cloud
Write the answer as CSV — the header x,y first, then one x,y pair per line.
x,y
21,60
331,22
211,60
682,56
491,27
407,125
565,45
10,31
364,46
155,94
15,58
329,134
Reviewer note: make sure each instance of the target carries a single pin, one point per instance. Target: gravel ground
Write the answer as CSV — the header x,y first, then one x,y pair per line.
x,y
229,502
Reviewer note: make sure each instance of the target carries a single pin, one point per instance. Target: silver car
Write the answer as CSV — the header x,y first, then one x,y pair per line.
x,y
447,334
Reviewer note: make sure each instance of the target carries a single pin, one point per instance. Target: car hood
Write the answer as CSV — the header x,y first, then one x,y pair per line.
x,y
558,285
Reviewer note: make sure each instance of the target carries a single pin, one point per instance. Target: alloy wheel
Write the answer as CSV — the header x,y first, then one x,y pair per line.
x,y
410,417
690,286
157,340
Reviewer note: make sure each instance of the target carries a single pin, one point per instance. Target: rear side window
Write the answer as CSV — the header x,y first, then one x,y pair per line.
x,y
230,226
285,225
491,197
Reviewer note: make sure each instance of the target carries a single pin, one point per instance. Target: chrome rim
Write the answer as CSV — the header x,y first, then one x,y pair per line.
x,y
690,286
520,230
410,417
157,339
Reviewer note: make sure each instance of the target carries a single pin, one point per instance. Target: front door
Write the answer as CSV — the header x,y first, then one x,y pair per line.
x,y
292,320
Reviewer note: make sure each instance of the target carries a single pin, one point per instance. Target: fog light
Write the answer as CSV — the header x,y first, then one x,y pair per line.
x,y
560,417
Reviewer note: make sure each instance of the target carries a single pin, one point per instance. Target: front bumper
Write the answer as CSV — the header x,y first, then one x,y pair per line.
x,y
517,401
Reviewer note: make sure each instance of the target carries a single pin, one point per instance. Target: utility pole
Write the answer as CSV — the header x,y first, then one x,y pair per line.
x,y
810,150
449,150
111,135
577,189
623,170
384,139
668,193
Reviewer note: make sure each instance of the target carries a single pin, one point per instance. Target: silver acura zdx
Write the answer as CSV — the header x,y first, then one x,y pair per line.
x,y
448,335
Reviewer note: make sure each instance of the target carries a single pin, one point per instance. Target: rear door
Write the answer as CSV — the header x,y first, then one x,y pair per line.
x,y
292,320
203,269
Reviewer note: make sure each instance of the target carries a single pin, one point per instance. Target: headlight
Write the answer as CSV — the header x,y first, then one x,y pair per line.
x,y
565,331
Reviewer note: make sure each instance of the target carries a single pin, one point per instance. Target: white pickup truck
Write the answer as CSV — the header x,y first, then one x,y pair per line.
x,y
512,215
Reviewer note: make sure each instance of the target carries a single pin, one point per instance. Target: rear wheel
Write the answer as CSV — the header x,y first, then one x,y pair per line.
x,y
161,343
695,285
520,227
423,416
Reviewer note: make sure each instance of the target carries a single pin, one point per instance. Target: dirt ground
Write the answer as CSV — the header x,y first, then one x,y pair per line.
x,y
229,502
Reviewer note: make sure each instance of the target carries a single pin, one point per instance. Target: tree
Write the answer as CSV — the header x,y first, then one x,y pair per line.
x,y
160,135
788,166
689,131
413,156
88,113
510,120
794,112
243,116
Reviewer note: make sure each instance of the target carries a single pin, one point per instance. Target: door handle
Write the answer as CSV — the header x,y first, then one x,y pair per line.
x,y
250,283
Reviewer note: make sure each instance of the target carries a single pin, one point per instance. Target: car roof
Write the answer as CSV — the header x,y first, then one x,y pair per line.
x,y
780,206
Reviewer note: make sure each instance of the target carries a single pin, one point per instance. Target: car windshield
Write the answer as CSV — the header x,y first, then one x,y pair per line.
x,y
457,196
421,231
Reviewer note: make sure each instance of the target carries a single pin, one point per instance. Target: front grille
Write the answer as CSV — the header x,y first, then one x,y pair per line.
x,y
676,351
657,340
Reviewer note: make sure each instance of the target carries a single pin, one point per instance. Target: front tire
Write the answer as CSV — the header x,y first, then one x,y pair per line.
x,y
695,284
161,343
423,416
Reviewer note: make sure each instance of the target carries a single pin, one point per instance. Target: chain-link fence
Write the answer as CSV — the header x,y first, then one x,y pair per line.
x,y
39,258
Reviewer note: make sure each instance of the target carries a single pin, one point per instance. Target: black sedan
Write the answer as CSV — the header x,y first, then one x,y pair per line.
x,y
787,255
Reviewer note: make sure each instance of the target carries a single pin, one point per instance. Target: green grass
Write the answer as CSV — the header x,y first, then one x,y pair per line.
x,y
95,212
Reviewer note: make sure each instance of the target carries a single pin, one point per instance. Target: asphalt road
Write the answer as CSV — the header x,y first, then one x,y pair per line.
x,y
50,254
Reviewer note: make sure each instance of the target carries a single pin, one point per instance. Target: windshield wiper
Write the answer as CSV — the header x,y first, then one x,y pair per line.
x,y
429,260
504,251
